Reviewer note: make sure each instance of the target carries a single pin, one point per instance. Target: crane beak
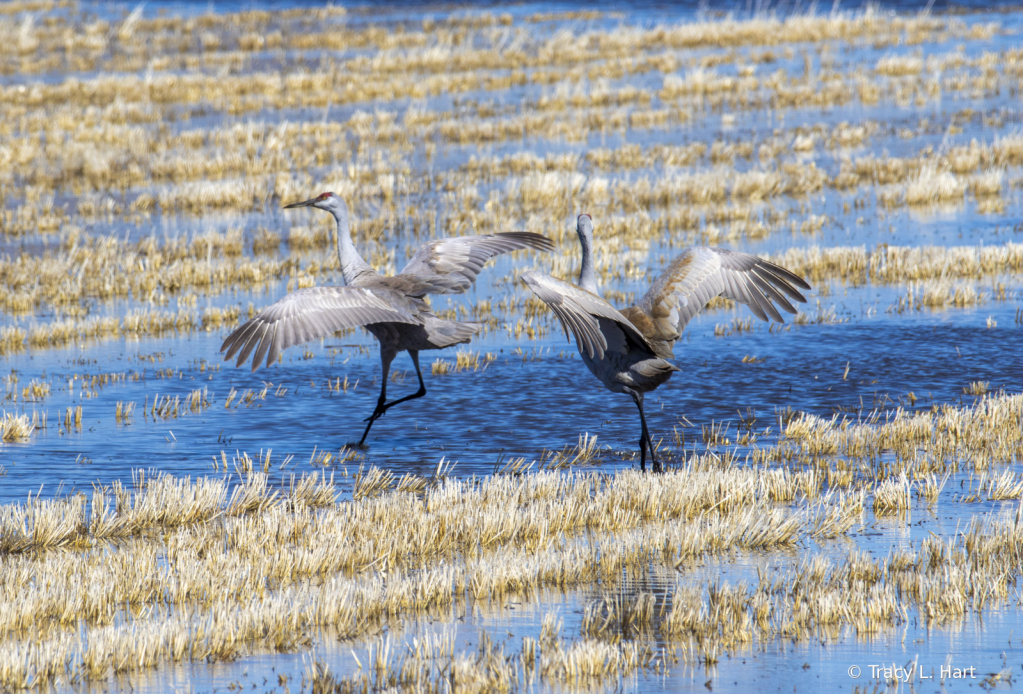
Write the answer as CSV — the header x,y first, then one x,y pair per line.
x,y
305,203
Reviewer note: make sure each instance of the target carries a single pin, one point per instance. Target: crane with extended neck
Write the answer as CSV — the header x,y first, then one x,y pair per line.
x,y
628,350
393,309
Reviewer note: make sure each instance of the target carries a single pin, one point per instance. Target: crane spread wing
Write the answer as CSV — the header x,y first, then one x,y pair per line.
x,y
701,273
312,313
580,312
450,266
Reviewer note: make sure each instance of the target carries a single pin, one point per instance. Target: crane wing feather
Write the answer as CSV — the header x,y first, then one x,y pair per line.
x,y
238,338
700,273
257,334
451,265
763,280
579,312
312,313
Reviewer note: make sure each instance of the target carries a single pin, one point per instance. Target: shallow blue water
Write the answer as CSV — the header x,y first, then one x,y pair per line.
x,y
542,398
517,407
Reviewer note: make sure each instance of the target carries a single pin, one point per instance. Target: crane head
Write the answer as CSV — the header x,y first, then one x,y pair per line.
x,y
584,226
325,201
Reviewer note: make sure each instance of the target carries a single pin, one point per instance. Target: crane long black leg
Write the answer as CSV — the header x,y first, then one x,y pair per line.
x,y
386,357
646,443
422,386
382,404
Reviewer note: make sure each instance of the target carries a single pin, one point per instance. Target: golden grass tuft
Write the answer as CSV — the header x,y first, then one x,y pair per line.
x,y
17,427
583,453
464,361
12,340
987,184
736,327
892,496
931,186
900,66
929,489
124,412
977,388
1005,487
266,242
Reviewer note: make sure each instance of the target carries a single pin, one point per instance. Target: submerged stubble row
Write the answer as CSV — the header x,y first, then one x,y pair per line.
x,y
696,625
936,276
113,147
175,569
228,166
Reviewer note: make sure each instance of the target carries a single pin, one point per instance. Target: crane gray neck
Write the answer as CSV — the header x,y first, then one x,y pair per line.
x,y
587,277
352,264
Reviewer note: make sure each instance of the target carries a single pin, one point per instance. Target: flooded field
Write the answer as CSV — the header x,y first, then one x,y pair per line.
x,y
843,508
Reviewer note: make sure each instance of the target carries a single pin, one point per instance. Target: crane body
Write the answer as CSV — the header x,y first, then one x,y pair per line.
x,y
628,350
392,308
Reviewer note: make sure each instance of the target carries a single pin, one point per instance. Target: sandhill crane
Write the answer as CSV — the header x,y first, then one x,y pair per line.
x,y
628,349
393,309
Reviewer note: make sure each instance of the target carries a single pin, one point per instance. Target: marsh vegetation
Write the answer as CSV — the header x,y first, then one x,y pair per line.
x,y
837,483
